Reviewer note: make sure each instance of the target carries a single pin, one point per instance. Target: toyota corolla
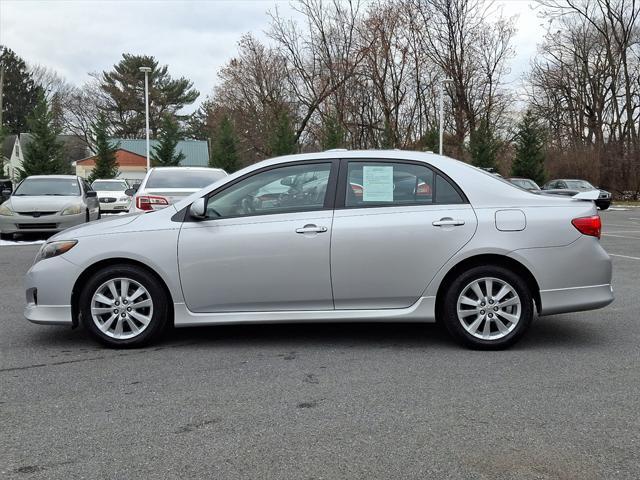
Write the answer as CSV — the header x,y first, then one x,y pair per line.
x,y
362,236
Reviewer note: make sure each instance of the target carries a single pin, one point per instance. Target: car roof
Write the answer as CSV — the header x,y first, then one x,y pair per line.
x,y
65,177
109,180
186,168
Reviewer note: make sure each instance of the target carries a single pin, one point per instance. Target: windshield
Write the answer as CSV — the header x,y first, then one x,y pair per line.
x,y
525,183
183,178
109,186
579,185
66,187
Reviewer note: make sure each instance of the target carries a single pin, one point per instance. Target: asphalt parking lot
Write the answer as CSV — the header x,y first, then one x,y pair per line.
x,y
327,401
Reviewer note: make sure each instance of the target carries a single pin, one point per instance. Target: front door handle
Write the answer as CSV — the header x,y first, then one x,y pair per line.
x,y
447,222
311,229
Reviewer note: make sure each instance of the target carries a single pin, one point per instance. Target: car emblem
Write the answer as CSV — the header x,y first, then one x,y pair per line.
x,y
36,214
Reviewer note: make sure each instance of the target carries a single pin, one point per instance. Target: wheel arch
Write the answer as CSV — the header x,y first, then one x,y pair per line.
x,y
96,267
483,260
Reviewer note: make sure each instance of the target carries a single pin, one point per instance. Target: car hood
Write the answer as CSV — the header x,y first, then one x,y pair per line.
x,y
41,203
98,227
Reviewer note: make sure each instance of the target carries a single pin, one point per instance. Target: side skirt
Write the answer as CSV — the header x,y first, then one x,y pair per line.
x,y
421,311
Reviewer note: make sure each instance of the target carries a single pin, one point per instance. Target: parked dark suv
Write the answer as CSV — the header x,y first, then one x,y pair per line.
x,y
570,187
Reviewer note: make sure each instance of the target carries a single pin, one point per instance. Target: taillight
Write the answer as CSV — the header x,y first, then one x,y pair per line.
x,y
588,225
146,202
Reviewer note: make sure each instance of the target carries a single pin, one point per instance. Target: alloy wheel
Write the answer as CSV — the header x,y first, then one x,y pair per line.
x,y
489,308
121,308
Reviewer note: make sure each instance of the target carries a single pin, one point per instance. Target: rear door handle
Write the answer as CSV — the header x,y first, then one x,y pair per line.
x,y
447,222
311,229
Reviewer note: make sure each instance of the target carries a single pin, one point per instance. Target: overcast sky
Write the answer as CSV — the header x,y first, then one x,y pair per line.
x,y
195,38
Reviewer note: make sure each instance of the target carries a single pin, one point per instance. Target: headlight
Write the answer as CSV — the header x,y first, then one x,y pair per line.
x,y
72,210
5,211
53,249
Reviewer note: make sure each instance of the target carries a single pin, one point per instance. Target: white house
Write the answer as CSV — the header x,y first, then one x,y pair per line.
x,y
74,147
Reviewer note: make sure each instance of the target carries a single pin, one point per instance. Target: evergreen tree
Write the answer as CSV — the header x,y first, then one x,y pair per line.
x,y
124,103
282,140
164,153
19,92
529,161
106,165
332,135
224,152
44,154
483,146
430,141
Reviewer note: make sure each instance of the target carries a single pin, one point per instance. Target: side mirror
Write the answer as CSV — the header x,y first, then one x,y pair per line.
x,y
130,192
6,192
198,209
92,194
288,181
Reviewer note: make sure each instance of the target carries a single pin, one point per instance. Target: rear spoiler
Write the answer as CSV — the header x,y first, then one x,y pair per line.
x,y
590,195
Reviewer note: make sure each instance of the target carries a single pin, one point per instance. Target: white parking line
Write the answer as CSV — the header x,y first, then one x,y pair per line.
x,y
619,236
623,256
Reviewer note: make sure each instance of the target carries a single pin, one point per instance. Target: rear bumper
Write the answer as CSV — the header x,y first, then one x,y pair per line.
x,y
575,299
571,278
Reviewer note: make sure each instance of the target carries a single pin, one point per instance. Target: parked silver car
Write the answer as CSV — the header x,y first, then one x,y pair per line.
x,y
336,236
48,203
163,186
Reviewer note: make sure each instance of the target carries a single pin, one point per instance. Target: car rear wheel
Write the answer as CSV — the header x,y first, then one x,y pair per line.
x,y
124,306
488,308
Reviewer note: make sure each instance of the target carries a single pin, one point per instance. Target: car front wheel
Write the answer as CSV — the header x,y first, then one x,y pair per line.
x,y
124,306
488,308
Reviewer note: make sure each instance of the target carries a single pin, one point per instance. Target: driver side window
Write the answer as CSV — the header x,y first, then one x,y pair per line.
x,y
280,190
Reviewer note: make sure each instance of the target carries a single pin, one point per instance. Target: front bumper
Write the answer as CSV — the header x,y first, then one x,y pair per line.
x,y
48,286
115,206
45,224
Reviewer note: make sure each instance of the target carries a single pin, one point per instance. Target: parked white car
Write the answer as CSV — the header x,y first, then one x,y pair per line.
x,y
112,196
163,186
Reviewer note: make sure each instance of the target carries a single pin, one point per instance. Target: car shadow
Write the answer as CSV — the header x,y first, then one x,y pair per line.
x,y
548,332
402,335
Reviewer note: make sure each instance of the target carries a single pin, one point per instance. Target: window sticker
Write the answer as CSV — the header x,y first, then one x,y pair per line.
x,y
377,183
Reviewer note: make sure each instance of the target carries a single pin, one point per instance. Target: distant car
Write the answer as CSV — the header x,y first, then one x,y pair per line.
x,y
570,187
112,196
48,204
163,186
6,187
525,183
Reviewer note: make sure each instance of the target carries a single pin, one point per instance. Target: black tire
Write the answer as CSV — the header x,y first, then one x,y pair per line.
x,y
156,326
603,205
450,307
6,236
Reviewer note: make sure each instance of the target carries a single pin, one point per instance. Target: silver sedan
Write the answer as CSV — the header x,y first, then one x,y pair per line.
x,y
48,204
336,236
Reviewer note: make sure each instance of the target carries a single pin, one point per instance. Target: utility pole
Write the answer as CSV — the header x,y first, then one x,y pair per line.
x,y
146,71
1,89
441,101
